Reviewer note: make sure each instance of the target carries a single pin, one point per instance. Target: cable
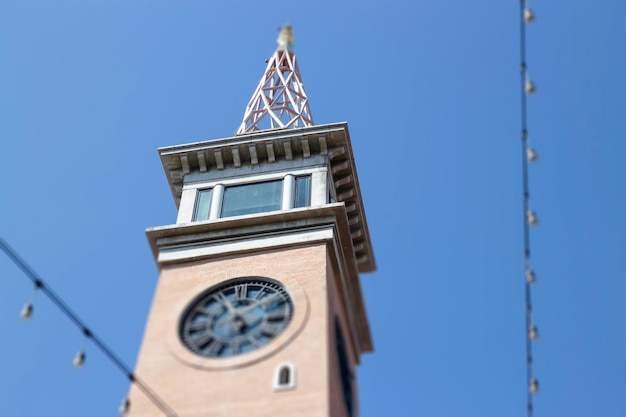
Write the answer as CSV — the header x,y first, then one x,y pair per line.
x,y
530,218
89,334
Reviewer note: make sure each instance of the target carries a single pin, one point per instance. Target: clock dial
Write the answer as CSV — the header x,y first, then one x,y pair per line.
x,y
236,317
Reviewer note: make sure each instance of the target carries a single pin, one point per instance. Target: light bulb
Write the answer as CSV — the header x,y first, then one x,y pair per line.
x,y
79,360
533,386
124,407
531,155
529,15
27,311
530,276
533,333
529,87
532,218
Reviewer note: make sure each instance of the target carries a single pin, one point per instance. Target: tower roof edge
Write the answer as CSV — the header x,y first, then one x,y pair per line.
x,y
332,141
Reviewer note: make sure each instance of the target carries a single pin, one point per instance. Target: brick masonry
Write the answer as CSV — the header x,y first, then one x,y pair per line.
x,y
243,386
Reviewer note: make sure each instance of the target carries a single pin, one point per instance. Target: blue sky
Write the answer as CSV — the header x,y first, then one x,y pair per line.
x,y
90,89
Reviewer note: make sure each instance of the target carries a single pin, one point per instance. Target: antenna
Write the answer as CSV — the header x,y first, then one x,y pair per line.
x,y
279,100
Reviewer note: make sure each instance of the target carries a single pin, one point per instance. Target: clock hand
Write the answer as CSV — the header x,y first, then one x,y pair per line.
x,y
266,300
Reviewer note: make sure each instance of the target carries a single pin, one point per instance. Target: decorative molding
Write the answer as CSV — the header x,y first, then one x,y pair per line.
x,y
236,158
184,162
323,147
271,157
201,161
219,162
330,142
306,152
254,159
287,147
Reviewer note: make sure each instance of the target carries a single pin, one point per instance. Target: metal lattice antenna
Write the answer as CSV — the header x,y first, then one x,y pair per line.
x,y
280,97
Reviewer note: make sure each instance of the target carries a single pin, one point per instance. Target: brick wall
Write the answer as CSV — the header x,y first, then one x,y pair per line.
x,y
243,386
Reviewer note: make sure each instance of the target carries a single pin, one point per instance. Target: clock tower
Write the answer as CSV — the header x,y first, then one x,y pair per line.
x,y
258,310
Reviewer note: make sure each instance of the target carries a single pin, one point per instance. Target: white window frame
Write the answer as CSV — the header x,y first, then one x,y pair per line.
x,y
189,195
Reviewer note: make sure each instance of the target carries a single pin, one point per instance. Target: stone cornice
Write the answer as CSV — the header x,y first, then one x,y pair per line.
x,y
331,141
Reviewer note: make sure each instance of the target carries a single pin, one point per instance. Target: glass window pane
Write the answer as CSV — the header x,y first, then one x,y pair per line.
x,y
252,198
303,191
203,204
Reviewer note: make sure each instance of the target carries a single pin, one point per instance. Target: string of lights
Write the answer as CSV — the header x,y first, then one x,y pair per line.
x,y
79,359
529,155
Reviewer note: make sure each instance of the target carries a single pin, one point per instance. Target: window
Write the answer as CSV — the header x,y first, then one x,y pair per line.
x,y
227,200
284,377
252,198
203,204
345,372
303,191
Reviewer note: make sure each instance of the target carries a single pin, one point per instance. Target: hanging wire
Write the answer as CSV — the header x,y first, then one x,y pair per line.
x,y
78,322
528,88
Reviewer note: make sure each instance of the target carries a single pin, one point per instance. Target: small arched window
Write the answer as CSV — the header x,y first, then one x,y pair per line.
x,y
284,377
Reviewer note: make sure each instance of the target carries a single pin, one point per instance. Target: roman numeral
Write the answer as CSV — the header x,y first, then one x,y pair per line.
x,y
241,291
197,325
277,315
271,329
202,340
201,311
252,340
224,301
221,298
215,347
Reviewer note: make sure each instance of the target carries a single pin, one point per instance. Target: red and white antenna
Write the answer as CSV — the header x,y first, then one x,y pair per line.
x,y
279,100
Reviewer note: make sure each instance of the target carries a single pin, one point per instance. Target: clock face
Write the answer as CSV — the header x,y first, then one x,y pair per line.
x,y
236,317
